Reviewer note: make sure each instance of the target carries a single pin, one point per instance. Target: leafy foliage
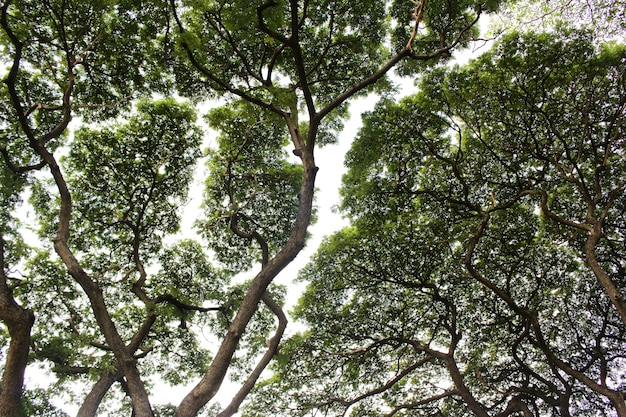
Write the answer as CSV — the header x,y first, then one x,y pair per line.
x,y
468,281
36,404
478,206
252,187
604,18
129,180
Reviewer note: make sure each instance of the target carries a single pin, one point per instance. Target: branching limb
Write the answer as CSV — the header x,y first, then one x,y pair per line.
x,y
373,78
271,33
418,15
184,306
236,209
421,403
299,61
272,349
595,234
614,396
516,404
225,85
91,403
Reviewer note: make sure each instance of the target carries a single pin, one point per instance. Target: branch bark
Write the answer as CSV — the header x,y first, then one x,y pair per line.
x,y
272,349
90,405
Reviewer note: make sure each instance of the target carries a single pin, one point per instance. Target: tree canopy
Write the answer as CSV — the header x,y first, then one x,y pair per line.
x,y
483,269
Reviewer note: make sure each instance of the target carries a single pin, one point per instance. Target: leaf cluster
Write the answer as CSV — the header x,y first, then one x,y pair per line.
x,y
129,180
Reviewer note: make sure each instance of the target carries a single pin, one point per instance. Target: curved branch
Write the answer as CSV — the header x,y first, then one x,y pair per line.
x,y
595,234
421,403
18,169
514,405
341,98
553,216
92,401
273,34
11,78
250,235
418,15
234,217
387,385
184,306
617,299
212,380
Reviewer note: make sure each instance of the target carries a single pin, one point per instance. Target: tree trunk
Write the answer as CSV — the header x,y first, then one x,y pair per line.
x,y
19,325
19,322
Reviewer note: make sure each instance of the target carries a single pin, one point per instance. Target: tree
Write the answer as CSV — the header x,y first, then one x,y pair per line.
x,y
112,303
483,271
49,47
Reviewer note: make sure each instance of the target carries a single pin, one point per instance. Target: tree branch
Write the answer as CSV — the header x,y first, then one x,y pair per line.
x,y
272,349
20,169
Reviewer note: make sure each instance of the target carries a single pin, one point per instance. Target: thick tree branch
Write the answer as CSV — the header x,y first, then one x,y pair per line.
x,y
405,53
92,401
183,306
603,278
272,349
273,34
595,234
418,15
20,169
298,58
90,404
19,322
421,403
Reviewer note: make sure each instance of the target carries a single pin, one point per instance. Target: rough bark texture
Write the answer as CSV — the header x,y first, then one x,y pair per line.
x,y
19,322
607,283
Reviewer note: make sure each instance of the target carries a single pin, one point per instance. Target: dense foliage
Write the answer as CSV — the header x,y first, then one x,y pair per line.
x,y
100,143
483,271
